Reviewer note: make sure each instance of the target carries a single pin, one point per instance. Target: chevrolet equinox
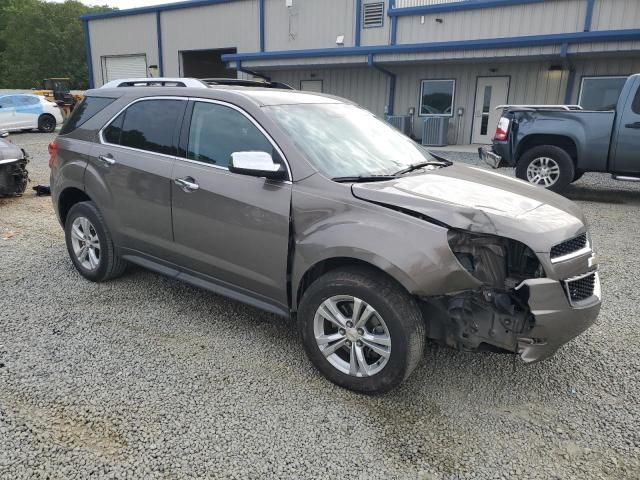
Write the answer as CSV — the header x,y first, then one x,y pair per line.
x,y
309,207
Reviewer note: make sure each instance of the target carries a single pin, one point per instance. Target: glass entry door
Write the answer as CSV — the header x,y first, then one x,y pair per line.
x,y
490,92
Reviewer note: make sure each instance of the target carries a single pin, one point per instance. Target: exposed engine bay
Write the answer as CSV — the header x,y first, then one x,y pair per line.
x,y
493,316
13,168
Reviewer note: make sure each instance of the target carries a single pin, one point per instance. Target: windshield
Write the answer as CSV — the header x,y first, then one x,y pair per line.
x,y
343,140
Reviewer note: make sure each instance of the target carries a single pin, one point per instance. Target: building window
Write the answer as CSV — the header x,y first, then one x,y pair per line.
x,y
600,93
436,97
372,14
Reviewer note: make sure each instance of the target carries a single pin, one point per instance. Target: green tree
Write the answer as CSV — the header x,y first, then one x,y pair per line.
x,y
40,40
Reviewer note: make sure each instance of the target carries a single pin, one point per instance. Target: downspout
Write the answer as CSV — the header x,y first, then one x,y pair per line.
x,y
392,84
159,36
261,14
87,50
589,15
358,27
394,23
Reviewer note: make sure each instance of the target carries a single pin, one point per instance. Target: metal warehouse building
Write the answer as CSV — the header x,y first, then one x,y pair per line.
x,y
417,59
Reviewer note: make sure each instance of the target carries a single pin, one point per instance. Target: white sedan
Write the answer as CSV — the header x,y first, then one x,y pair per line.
x,y
26,112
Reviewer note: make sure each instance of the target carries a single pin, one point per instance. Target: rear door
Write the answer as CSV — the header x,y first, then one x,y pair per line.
x,y
7,112
625,155
28,110
232,229
131,168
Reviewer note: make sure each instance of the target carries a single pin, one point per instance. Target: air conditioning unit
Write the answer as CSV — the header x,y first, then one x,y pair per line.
x,y
434,131
402,123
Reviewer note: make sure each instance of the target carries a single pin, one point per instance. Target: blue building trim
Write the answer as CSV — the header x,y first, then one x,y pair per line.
x,y
394,23
503,42
154,9
457,6
358,27
261,15
159,36
588,18
391,93
87,51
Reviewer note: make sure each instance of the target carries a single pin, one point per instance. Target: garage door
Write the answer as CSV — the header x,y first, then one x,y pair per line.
x,y
126,66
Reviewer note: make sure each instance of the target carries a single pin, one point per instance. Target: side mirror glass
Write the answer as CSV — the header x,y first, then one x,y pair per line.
x,y
256,164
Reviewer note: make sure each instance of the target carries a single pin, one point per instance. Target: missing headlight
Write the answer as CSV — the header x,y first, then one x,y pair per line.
x,y
495,261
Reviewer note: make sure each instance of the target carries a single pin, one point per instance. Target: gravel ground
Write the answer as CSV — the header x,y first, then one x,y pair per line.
x,y
145,377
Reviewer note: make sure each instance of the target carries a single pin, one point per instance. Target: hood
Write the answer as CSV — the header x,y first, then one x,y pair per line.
x,y
482,201
9,151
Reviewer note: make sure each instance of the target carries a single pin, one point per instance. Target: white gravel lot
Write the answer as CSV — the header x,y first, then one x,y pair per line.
x,y
145,377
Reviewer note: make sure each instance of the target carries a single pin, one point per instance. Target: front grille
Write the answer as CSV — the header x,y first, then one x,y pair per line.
x,y
570,246
582,288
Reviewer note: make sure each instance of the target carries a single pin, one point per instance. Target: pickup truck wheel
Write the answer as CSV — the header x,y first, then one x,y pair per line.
x,y
90,245
548,166
361,329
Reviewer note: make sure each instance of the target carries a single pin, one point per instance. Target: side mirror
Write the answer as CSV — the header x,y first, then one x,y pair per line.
x,y
4,134
256,164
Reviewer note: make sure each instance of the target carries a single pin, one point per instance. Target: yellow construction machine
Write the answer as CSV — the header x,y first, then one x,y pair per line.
x,y
57,90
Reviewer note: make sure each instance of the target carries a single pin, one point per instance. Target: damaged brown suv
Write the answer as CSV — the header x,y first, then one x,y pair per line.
x,y
309,207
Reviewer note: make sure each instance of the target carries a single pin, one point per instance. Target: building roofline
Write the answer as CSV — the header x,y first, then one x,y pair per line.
x,y
153,9
502,42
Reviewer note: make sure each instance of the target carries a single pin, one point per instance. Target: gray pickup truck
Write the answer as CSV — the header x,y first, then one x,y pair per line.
x,y
554,145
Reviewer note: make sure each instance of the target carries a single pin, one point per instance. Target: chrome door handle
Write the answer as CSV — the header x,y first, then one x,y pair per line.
x,y
187,184
106,159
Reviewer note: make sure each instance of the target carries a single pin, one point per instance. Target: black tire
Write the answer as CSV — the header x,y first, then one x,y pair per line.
x,y
577,176
558,155
46,123
396,307
110,265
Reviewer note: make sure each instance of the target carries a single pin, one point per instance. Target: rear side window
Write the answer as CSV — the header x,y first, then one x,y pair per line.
x,y
635,106
24,100
86,109
147,125
218,131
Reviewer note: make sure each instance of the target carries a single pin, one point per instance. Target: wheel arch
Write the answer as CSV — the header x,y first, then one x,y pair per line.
x,y
364,260
564,142
68,198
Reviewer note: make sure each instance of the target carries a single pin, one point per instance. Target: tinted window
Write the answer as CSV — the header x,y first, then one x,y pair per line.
x,y
113,132
6,102
436,97
601,93
148,125
218,131
86,109
635,106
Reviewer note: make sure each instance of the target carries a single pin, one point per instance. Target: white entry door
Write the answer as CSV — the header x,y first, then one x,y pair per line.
x,y
490,92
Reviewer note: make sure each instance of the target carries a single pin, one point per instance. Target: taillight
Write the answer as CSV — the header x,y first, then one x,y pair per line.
x,y
502,131
53,153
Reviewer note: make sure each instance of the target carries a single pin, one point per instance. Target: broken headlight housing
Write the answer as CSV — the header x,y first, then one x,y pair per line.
x,y
497,262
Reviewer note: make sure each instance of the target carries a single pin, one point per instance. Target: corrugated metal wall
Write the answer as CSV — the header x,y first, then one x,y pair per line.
x,y
553,16
308,24
122,36
227,25
365,86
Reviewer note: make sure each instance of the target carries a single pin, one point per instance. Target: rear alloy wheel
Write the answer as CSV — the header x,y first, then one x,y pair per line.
x,y
46,123
548,166
361,329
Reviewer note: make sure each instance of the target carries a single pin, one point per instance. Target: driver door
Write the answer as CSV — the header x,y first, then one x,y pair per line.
x,y
230,229
7,113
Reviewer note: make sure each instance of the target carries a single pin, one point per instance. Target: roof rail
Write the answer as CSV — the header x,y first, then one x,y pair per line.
x,y
541,107
155,82
239,82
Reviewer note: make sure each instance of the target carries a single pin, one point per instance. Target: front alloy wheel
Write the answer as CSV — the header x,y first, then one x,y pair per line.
x,y
352,336
361,329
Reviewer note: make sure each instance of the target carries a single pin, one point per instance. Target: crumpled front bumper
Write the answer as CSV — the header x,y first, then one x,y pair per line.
x,y
556,320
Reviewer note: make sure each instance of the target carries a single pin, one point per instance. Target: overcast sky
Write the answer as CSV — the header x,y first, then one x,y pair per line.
x,y
122,3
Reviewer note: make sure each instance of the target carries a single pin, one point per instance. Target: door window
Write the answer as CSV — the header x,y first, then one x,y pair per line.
x,y
486,110
217,131
635,106
26,101
147,125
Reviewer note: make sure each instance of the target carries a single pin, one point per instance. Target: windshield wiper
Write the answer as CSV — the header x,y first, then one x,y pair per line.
x,y
416,166
364,178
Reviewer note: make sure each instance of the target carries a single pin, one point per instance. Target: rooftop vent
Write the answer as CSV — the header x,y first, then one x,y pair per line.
x,y
372,14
